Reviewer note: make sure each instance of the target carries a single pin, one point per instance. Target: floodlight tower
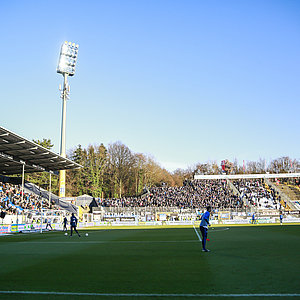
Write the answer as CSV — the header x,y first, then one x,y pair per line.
x,y
66,67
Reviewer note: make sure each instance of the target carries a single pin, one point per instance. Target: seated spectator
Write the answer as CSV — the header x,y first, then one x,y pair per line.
x,y
257,193
193,194
12,202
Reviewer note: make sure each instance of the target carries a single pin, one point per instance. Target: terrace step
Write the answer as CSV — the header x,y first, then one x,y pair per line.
x,y
284,194
291,191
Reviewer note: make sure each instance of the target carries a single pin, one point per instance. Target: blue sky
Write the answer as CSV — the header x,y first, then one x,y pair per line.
x,y
184,81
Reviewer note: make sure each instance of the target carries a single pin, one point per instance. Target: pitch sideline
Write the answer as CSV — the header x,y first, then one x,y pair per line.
x,y
143,295
110,227
197,233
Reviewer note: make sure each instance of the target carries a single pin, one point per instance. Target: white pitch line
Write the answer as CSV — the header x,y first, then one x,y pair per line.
x,y
145,295
197,234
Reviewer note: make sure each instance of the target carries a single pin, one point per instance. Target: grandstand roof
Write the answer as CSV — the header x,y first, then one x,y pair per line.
x,y
16,151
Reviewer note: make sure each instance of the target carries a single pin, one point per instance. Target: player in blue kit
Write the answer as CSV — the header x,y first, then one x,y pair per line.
x,y
73,224
253,219
204,227
281,217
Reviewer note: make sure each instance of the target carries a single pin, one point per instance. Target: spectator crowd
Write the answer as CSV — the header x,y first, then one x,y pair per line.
x,y
193,194
257,193
12,202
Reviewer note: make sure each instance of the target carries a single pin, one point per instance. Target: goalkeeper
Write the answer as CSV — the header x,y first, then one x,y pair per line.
x,y
204,227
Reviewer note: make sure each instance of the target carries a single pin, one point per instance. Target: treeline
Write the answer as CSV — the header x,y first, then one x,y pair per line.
x,y
115,171
279,165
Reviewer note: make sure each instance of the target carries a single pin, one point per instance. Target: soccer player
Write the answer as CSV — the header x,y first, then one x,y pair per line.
x,y
253,218
49,224
281,218
204,227
65,222
73,223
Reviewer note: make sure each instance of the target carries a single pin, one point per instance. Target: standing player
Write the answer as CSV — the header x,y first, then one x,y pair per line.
x,y
281,217
73,223
253,218
65,222
204,227
49,224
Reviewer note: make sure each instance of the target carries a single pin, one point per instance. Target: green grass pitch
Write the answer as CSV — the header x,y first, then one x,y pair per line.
x,y
152,263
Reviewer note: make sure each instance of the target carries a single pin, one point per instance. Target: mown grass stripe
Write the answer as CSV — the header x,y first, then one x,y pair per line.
x,y
144,295
107,242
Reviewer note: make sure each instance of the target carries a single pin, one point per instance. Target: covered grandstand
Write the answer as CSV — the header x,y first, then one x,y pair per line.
x,y
238,196
19,155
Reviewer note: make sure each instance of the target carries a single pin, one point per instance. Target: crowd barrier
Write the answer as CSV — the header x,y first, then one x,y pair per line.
x,y
14,228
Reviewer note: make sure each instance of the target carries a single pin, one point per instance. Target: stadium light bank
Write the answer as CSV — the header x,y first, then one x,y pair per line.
x,y
66,67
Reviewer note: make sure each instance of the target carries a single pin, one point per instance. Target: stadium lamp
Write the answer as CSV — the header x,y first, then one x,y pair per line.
x,y
67,58
66,67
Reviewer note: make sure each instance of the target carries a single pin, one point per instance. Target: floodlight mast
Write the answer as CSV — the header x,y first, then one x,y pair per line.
x,y
66,67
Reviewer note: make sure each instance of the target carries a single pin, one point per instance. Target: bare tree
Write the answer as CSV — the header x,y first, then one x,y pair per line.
x,y
281,165
120,162
228,167
261,166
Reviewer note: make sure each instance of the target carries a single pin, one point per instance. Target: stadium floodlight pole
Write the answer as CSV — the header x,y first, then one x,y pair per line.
x,y
41,199
49,192
66,67
23,171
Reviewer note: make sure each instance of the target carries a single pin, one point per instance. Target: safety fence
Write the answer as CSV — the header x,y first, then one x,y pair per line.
x,y
30,228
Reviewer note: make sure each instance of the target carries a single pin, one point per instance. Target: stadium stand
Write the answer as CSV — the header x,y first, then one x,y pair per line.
x,y
34,197
289,190
194,194
221,194
12,202
18,156
290,186
258,193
